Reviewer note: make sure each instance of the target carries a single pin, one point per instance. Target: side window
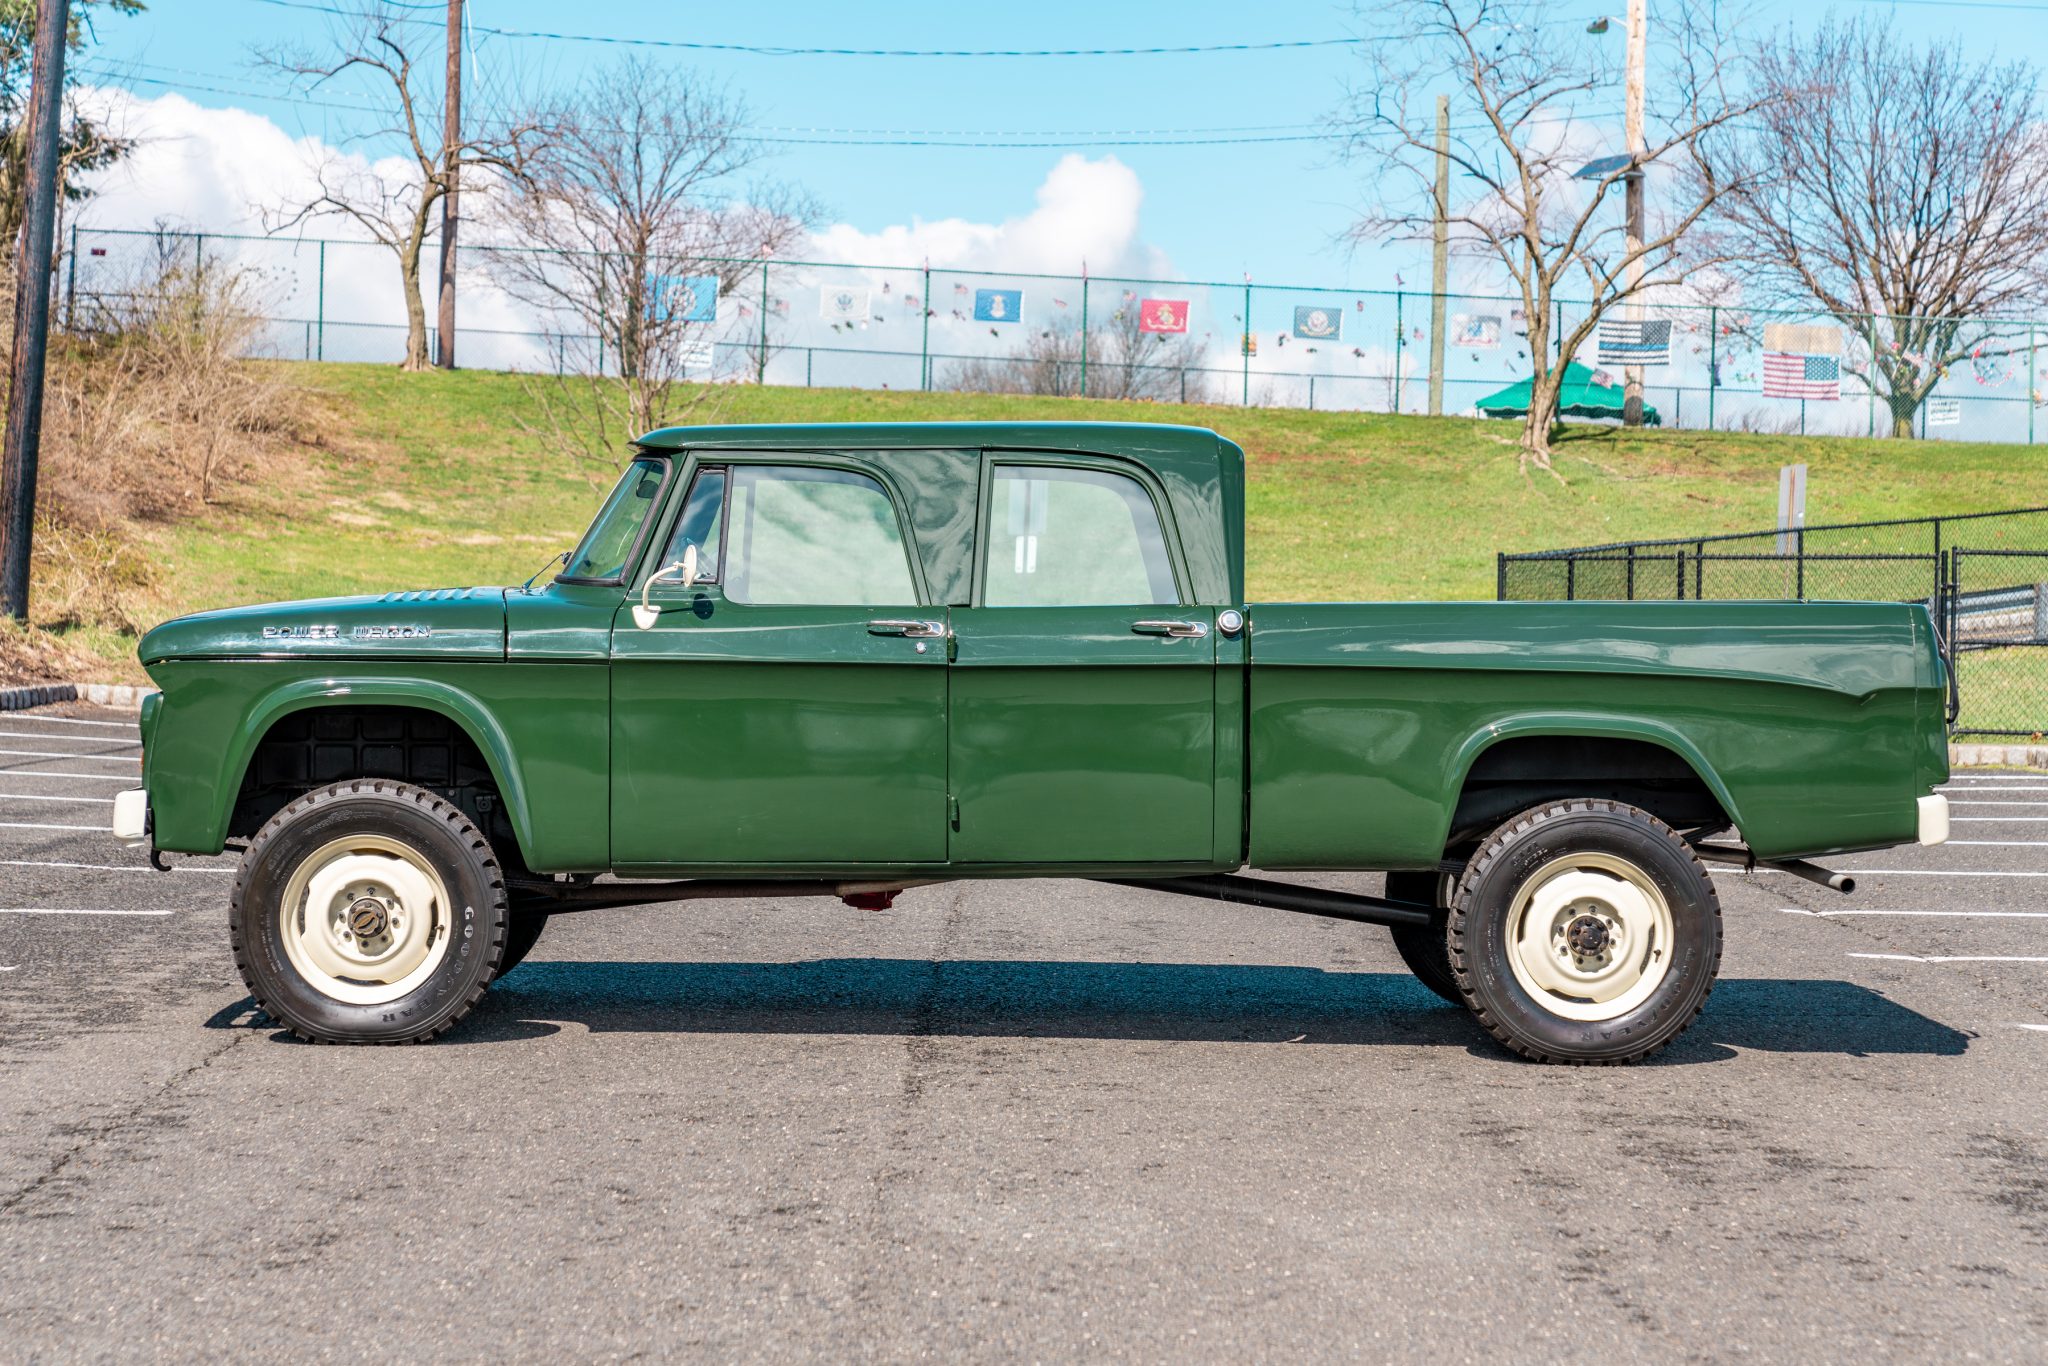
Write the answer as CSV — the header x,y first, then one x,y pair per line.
x,y
699,524
817,537
1060,537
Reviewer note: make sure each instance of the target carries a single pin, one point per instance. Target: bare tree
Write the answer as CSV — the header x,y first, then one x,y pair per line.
x,y
636,193
86,142
399,52
1527,88
1904,190
1123,361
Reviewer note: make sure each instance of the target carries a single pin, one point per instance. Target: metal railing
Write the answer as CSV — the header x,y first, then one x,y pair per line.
x,y
1983,576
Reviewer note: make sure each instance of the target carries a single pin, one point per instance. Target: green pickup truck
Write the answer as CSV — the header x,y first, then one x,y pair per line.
x,y
851,660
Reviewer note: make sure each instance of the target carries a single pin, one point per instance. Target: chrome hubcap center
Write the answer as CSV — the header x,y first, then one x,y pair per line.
x,y
368,918
1587,936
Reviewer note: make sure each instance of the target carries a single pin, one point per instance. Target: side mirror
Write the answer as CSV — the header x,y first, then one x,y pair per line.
x,y
645,612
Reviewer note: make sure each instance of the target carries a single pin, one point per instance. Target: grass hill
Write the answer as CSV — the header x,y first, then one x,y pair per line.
x,y
417,481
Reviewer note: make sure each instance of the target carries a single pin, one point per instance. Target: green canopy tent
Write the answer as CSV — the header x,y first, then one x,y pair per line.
x,y
1580,397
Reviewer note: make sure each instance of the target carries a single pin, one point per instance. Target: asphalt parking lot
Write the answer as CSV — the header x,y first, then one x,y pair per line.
x,y
1033,1121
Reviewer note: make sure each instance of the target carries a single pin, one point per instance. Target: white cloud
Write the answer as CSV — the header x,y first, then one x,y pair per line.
x,y
1088,211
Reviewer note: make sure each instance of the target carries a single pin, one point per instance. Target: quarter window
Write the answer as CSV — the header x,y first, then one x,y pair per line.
x,y
698,524
813,536
1062,537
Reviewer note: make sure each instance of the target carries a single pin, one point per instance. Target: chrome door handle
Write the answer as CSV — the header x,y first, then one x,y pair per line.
x,y
915,630
1180,630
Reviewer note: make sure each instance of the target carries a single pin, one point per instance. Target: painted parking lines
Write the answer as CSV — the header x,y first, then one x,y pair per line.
x,y
39,825
72,721
1941,915
1998,820
1952,957
110,867
51,737
58,910
73,801
67,754
88,777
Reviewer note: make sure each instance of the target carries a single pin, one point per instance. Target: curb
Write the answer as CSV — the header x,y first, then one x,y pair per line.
x,y
1998,756
99,694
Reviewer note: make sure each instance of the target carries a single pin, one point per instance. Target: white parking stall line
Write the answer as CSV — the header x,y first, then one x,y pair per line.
x,y
1950,958
1942,915
117,867
1998,820
2043,788
2040,1028
72,721
74,801
29,773
48,737
1974,802
59,910
66,754
36,825
1932,872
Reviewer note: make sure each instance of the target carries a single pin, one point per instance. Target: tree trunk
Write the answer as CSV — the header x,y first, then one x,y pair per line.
x,y
415,311
1535,444
1902,423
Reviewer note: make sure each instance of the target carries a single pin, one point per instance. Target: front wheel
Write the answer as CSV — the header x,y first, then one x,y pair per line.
x,y
368,912
1585,931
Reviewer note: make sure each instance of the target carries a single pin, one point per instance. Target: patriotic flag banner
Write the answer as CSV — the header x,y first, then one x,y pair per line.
x,y
998,305
1319,322
1803,339
1163,315
1476,331
1944,412
843,303
683,298
697,353
1792,376
1625,341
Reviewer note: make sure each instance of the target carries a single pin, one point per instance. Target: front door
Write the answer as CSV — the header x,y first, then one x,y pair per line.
x,y
1083,711
789,707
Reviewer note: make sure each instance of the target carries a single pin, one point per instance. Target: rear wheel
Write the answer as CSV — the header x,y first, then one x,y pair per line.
x,y
1422,947
1585,931
368,912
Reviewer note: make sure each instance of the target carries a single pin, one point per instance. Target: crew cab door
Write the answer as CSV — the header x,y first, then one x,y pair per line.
x,y
1083,714
789,707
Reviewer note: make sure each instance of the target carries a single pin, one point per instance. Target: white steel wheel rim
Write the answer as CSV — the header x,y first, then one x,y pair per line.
x,y
1590,937
364,919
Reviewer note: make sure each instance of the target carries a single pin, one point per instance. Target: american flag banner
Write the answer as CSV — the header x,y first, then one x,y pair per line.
x,y
1625,341
1788,375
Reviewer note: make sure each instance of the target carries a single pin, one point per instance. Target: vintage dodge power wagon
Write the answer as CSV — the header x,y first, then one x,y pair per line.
x,y
851,660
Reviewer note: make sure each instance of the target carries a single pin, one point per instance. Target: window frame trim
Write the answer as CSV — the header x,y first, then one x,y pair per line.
x,y
993,458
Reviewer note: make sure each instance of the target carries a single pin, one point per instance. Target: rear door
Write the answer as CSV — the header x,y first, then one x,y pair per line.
x,y
790,707
1083,713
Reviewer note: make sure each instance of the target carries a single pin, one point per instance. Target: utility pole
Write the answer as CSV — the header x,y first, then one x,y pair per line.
x,y
1638,42
451,143
31,309
1440,263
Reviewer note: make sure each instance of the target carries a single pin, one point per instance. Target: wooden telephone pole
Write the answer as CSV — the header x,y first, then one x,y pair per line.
x,y
31,308
451,141
1638,41
1440,258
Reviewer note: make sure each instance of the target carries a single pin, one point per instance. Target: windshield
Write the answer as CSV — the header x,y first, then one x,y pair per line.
x,y
602,555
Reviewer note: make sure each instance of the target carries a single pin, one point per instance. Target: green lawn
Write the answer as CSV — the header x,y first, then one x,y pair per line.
x,y
441,479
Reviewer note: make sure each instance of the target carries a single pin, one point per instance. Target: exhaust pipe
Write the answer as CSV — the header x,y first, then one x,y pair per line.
x,y
1748,862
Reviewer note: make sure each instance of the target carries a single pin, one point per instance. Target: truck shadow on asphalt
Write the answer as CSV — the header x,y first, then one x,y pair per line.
x,y
1193,1002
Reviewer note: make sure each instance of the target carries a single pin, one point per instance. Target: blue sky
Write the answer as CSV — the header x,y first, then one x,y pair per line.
x,y
1274,209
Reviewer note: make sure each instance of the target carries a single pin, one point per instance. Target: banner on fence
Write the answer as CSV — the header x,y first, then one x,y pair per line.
x,y
683,298
1475,331
1802,377
843,303
998,305
1319,322
1632,341
1944,412
1163,315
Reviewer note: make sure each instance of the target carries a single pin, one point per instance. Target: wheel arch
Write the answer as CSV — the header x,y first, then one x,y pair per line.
x,y
1564,725
461,708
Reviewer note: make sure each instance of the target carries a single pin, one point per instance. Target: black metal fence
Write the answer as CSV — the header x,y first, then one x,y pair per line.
x,y
1984,576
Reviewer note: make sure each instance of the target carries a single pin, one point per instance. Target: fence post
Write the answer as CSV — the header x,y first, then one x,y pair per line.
x,y
320,303
309,341
1084,336
810,351
1500,577
1631,573
924,341
761,365
1311,393
71,299
1681,573
199,252
1870,378
1713,360
1183,384
2030,373
1244,347
1400,341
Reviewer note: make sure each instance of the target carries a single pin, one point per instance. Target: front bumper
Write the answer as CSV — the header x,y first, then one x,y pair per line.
x,y
1934,820
131,817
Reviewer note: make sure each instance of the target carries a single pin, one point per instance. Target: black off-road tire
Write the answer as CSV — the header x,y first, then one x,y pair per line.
x,y
1478,932
478,918
1423,947
520,937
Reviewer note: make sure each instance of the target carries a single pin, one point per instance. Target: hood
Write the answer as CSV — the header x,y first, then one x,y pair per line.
x,y
466,623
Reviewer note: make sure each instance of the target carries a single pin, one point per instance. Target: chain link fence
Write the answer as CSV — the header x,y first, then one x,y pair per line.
x,y
1983,576
835,324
